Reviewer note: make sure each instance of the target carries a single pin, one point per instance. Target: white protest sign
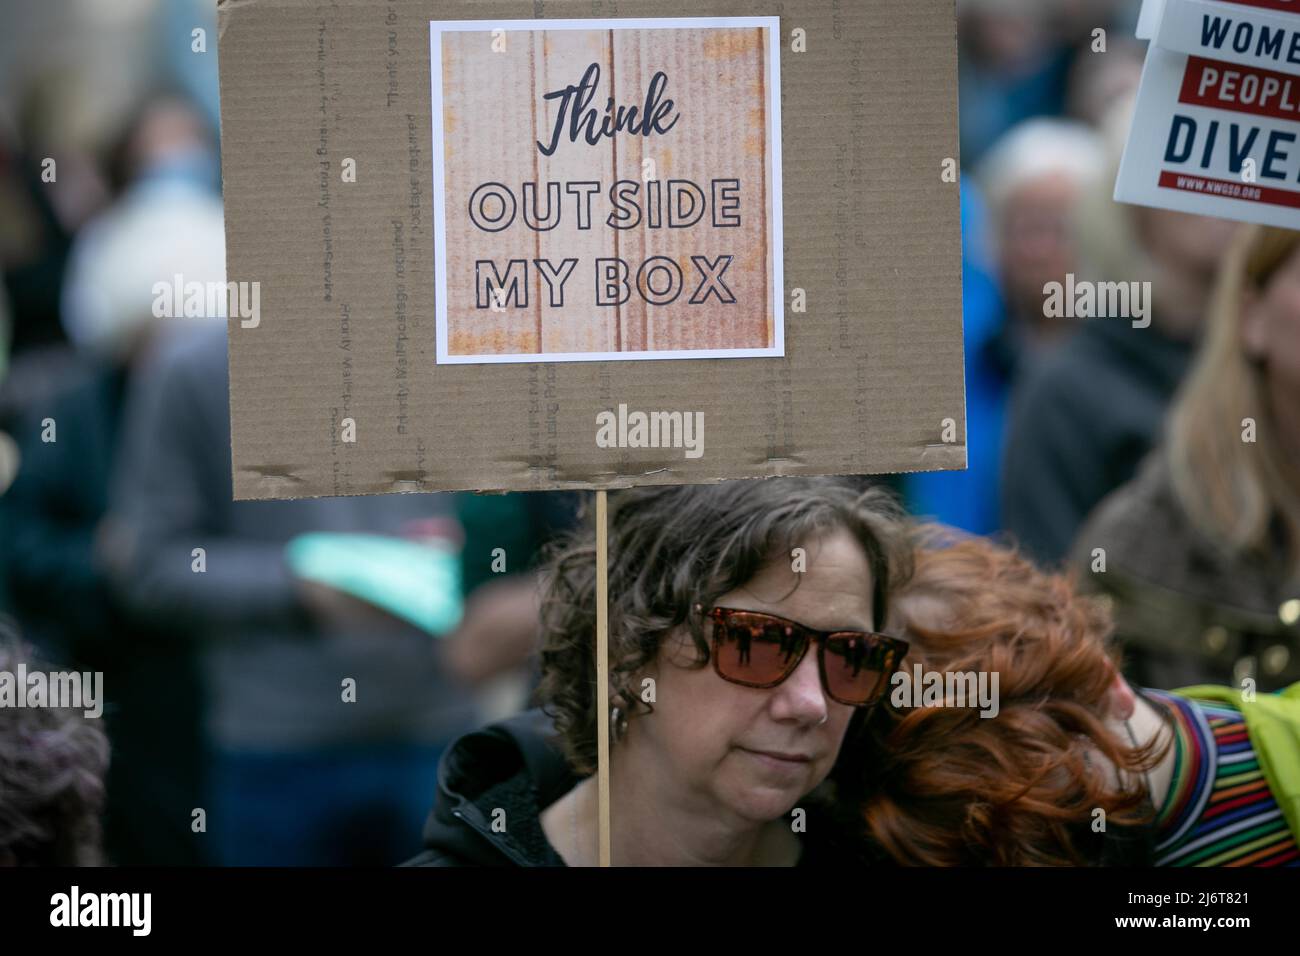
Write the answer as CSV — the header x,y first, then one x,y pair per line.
x,y
1232,33
1218,113
1149,19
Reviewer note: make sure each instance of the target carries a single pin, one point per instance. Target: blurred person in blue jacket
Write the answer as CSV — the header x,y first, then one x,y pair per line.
x,y
969,499
1032,180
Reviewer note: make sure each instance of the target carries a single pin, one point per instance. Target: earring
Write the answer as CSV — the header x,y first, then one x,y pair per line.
x,y
617,723
825,717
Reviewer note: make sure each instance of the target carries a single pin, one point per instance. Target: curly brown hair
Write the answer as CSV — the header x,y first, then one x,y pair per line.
x,y
945,786
52,766
673,547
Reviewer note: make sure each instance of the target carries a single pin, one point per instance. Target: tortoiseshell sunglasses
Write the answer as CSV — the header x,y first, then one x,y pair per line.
x,y
761,650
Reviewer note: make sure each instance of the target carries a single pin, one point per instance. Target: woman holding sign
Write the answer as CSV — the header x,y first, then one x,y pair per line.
x,y
744,651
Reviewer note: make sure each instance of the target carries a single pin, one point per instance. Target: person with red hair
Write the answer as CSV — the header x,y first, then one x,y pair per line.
x,y
1072,766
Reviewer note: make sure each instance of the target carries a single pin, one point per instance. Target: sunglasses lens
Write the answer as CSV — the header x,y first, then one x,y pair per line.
x,y
856,667
755,651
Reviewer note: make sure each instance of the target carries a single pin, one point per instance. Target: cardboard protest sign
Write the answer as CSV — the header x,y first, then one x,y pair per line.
x,y
1218,112
684,243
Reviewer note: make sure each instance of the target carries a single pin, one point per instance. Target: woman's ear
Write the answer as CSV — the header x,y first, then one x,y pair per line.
x,y
1120,701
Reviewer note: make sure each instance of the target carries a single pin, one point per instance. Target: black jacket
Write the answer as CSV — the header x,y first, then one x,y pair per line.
x,y
512,766
516,767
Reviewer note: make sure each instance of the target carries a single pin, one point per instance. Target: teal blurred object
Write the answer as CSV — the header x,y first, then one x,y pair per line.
x,y
417,582
491,522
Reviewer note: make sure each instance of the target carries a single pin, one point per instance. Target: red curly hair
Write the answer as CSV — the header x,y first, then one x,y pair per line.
x,y
948,787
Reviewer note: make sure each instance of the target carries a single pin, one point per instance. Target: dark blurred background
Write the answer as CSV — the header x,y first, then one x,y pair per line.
x,y
223,683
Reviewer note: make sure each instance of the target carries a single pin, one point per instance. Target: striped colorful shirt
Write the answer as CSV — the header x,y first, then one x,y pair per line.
x,y
1219,810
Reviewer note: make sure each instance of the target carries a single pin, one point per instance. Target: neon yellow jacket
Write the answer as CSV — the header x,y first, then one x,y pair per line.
x,y
1273,722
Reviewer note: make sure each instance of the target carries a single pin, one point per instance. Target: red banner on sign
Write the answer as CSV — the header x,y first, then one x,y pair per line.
x,y
1242,89
1228,189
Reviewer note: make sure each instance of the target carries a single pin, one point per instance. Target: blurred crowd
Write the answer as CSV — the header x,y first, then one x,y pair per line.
x,y
1092,442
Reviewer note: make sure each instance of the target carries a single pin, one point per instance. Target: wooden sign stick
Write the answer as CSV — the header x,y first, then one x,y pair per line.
x,y
602,675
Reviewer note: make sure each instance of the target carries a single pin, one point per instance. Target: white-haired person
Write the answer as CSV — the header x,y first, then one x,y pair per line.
x,y
1034,180
1083,418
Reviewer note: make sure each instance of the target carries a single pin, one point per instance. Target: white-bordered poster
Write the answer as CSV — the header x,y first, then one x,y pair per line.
x,y
1217,124
607,189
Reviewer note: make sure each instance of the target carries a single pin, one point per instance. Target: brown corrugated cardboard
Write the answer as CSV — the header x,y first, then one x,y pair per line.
x,y
870,379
